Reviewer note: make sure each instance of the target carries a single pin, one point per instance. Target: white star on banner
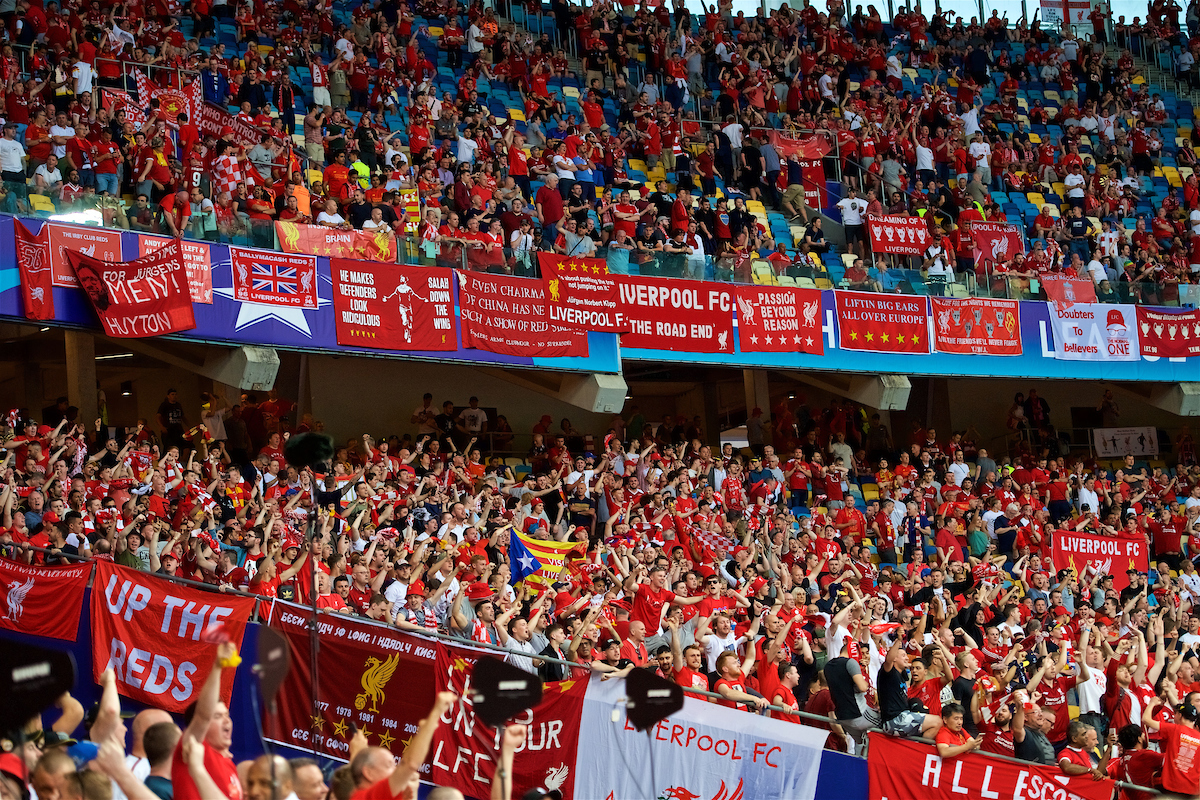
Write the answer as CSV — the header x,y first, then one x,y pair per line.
x,y
252,313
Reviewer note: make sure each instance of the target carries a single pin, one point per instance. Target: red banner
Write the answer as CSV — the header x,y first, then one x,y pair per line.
x,y
810,153
1169,335
150,632
144,297
465,748
1111,555
42,601
171,102
318,241
883,323
905,236
900,769
996,242
581,294
378,678
392,307
197,260
276,279
1067,291
687,316
977,326
503,314
779,320
33,259
99,243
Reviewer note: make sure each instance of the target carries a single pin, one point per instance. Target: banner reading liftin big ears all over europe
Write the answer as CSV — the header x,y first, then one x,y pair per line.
x,y
393,307
503,314
687,316
42,601
704,751
779,320
1109,555
883,323
465,748
899,769
908,236
976,325
1095,332
151,633
148,296
581,294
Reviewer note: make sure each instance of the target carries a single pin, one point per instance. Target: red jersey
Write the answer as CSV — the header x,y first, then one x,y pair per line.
x,y
220,767
1181,759
647,605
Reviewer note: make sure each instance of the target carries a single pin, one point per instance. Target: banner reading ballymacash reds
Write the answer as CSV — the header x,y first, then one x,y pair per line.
x,y
976,325
148,296
503,314
465,748
884,323
900,769
779,320
688,316
1110,555
277,279
1095,332
580,293
393,307
996,242
907,236
703,751
298,238
42,601
375,677
1169,335
151,633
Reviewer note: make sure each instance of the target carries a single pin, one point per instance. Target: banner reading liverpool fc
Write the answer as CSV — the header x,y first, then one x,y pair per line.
x,y
152,634
883,323
977,325
312,239
901,769
503,314
393,307
1108,555
42,601
277,279
906,236
581,294
1169,335
779,320
33,260
148,296
995,242
686,316
1095,332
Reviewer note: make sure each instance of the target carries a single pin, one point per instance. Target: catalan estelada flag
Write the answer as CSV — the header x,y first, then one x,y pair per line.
x,y
552,556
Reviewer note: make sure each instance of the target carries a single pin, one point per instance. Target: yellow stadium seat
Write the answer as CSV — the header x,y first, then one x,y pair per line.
x,y
39,202
434,31
823,283
1035,138
516,115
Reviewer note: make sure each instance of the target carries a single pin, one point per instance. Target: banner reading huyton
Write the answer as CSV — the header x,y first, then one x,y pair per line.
x,y
144,297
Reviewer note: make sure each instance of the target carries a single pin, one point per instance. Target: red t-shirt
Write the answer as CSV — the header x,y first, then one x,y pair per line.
x,y
1074,756
1181,759
647,605
738,685
949,737
222,770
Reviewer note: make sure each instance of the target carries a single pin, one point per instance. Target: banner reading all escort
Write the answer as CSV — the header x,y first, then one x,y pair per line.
x,y
907,236
779,320
900,769
393,307
976,326
149,631
1169,335
883,323
1110,555
1095,332
687,316
503,314
144,297
581,294
42,601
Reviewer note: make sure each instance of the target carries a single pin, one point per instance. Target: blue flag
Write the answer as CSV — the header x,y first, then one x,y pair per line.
x,y
524,562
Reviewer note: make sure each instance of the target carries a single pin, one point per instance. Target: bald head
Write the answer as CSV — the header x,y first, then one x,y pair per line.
x,y
269,778
142,723
444,793
371,766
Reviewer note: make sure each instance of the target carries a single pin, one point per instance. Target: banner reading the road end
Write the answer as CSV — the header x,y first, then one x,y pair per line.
x,y
1095,332
393,307
503,314
1110,555
703,751
977,325
900,769
686,316
581,294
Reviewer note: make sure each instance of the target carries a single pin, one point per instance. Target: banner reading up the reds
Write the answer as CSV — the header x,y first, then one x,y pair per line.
x,y
908,236
977,325
883,323
581,294
42,601
150,632
393,307
1169,335
900,769
315,240
145,297
277,279
1109,555
779,320
503,314
690,316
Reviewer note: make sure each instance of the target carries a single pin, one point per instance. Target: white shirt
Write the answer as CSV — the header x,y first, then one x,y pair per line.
x,y
715,645
894,68
49,177
852,210
982,151
396,592
562,169
1091,690
924,157
83,74
734,131
1090,498
466,150
11,153
336,219
971,122
960,471
475,418
1108,244
474,39
140,767
60,150
1075,183
522,654
939,266
827,84
1070,49
372,225
1097,271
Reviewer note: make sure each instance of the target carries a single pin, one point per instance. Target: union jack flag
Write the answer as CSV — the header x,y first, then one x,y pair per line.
x,y
273,278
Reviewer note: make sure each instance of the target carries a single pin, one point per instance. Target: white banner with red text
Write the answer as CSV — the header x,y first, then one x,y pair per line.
x,y
1095,332
704,751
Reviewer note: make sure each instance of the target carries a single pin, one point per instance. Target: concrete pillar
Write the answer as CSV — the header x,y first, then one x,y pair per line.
x,y
758,392
81,374
712,414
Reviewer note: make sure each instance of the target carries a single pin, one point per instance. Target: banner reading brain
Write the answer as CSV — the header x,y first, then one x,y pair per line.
x,y
890,233
1169,335
779,320
150,632
882,323
144,297
315,240
688,316
1110,555
277,279
977,326
42,601
392,307
503,314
